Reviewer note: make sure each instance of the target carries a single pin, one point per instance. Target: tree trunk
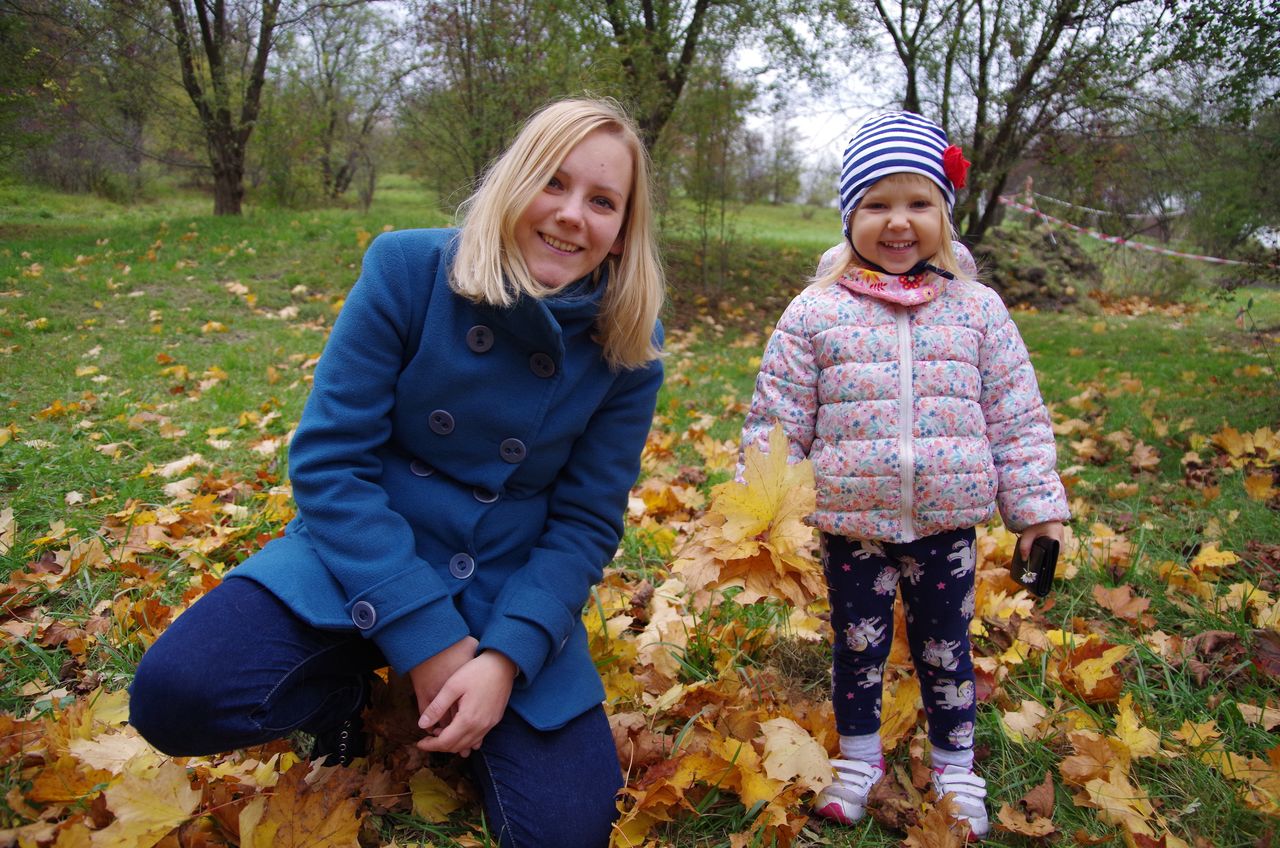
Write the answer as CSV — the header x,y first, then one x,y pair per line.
x,y
228,190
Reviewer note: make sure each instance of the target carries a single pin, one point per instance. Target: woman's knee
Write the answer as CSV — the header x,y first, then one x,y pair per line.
x,y
162,706
586,823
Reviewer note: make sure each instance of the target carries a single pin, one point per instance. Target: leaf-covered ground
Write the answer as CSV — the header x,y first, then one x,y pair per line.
x,y
154,366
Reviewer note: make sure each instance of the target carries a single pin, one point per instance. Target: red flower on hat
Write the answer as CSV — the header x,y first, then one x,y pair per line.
x,y
955,166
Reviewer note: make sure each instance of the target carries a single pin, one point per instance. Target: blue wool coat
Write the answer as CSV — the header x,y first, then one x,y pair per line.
x,y
461,469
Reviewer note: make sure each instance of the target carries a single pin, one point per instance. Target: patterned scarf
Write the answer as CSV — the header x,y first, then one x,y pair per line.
x,y
906,289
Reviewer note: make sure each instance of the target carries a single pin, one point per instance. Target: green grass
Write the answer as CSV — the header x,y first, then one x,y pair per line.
x,y
111,333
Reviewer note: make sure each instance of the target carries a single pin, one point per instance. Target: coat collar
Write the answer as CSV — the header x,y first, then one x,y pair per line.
x,y
546,322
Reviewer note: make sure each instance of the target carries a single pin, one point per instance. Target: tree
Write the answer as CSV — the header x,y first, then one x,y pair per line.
x,y
491,63
708,135
85,81
223,49
1000,73
339,74
658,44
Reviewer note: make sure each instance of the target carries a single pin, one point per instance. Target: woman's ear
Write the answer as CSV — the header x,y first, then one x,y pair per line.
x,y
616,250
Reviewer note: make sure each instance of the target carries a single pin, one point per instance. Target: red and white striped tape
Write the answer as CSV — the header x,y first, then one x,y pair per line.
x,y
1123,242
1137,216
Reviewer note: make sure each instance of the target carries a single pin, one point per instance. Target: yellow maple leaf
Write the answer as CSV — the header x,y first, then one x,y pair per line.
x,y
1195,734
433,799
1210,560
1259,487
147,803
899,710
111,751
1144,458
1141,741
1232,442
771,502
1119,802
1027,722
1090,671
792,755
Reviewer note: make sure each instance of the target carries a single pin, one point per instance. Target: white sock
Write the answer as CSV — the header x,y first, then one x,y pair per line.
x,y
943,758
865,748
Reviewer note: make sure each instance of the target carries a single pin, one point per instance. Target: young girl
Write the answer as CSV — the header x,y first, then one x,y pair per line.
x,y
460,470
906,383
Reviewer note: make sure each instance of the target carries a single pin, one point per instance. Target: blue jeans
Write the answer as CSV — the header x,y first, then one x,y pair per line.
x,y
239,668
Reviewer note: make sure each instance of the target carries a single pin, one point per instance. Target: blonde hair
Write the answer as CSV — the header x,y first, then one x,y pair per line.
x,y
489,267
945,258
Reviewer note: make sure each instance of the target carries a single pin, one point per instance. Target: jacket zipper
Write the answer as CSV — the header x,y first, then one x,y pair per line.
x,y
906,448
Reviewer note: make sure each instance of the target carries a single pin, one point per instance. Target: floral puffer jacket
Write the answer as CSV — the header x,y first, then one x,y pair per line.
x,y
919,419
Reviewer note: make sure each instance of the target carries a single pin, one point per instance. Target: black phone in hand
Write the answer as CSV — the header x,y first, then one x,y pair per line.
x,y
1036,571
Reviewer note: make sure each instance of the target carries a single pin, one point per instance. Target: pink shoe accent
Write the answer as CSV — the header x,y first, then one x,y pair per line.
x,y
835,813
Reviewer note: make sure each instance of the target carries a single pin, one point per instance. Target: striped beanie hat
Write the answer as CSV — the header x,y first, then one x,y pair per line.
x,y
899,143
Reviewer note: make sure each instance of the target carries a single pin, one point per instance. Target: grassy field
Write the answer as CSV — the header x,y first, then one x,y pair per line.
x,y
156,358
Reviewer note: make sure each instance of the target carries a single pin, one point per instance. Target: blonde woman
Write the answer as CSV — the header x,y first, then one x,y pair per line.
x,y
461,470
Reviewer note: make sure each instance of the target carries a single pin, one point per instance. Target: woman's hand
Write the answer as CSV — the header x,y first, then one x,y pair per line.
x,y
1053,529
429,676
469,704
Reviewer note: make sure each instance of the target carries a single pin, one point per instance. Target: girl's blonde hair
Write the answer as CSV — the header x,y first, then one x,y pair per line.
x,y
945,258
489,267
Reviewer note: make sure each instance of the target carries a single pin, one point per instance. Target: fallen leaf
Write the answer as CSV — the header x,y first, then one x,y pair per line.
x,y
147,803
433,799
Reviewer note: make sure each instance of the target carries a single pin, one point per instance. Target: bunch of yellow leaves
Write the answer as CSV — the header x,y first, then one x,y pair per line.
x,y
754,535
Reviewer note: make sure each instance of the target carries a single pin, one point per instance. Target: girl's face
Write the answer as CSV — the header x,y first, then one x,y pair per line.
x,y
569,228
898,222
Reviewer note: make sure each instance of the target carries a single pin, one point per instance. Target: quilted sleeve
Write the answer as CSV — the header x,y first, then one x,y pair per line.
x,y
786,387
1018,427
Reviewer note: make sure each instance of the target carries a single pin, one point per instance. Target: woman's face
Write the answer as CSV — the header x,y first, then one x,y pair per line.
x,y
569,228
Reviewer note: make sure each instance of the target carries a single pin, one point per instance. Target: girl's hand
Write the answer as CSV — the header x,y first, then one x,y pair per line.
x,y
469,704
1053,529
430,675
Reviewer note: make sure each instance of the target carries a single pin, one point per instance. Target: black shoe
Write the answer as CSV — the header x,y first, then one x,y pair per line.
x,y
341,744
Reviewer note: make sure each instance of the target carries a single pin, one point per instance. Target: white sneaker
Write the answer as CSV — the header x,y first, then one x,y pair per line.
x,y
845,801
970,794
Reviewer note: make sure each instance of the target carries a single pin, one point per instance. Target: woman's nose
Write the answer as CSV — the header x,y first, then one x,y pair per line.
x,y
569,213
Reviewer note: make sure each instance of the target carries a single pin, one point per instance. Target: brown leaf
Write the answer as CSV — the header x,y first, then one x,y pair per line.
x,y
1266,652
324,815
1018,822
1039,801
890,804
1121,601
937,828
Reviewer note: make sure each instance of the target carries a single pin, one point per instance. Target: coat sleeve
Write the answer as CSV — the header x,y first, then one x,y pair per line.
x,y
1018,427
786,388
541,603
393,596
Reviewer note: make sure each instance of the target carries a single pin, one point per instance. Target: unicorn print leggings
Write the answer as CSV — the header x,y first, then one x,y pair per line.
x,y
936,575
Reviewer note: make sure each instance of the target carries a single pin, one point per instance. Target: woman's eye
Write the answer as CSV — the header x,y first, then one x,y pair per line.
x,y
554,182
604,202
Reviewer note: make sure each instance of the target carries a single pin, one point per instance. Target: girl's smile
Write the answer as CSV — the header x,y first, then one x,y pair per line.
x,y
570,226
